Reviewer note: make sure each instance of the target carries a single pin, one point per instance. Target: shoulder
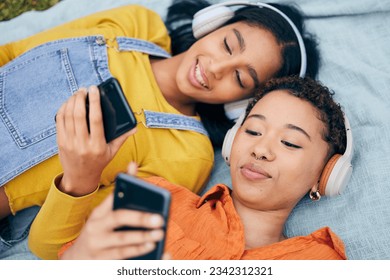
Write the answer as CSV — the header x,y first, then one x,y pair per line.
x,y
139,11
181,197
130,9
140,22
322,244
130,14
172,187
326,237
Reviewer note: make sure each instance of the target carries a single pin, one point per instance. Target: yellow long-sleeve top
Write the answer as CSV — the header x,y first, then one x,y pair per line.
x,y
183,157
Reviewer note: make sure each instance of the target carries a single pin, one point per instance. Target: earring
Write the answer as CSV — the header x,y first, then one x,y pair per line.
x,y
315,196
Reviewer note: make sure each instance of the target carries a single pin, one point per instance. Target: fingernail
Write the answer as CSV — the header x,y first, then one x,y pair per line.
x,y
149,245
155,220
155,234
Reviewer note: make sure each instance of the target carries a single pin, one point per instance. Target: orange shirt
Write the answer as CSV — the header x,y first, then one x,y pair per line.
x,y
209,227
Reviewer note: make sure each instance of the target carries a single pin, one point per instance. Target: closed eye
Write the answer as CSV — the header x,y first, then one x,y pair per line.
x,y
288,144
252,132
227,47
237,73
239,81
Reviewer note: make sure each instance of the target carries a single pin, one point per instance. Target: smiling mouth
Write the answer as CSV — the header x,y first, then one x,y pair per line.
x,y
199,76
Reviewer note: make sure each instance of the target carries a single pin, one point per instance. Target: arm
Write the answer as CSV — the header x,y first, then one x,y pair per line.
x,y
131,21
59,220
83,156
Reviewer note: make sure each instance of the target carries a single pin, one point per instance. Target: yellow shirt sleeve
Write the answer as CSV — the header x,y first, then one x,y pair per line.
x,y
52,228
131,21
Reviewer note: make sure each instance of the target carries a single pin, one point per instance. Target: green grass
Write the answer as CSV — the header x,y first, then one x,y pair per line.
x,y
12,8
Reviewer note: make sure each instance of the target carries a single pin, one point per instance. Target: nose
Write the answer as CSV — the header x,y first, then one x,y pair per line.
x,y
219,67
262,150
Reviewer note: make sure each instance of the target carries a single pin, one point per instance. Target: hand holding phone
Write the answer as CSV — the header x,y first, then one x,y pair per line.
x,y
82,152
108,243
136,194
118,117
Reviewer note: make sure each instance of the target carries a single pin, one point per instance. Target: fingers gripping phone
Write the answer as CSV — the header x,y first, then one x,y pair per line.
x,y
118,118
136,194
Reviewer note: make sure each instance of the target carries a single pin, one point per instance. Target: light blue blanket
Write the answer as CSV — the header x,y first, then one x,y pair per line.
x,y
354,38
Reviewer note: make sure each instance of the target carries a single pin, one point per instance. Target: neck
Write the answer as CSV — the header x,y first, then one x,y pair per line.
x,y
165,71
261,228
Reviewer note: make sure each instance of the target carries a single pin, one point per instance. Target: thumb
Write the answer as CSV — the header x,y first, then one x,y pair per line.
x,y
118,142
132,168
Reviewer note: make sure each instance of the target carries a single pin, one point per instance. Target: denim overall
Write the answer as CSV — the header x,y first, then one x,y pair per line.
x,y
34,86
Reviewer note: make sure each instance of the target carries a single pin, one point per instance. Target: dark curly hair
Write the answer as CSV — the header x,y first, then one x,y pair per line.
x,y
321,97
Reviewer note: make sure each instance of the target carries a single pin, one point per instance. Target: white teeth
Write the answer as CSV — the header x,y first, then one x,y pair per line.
x,y
199,77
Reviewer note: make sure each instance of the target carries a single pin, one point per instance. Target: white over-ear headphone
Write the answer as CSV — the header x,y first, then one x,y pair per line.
x,y
336,173
229,138
214,16
338,170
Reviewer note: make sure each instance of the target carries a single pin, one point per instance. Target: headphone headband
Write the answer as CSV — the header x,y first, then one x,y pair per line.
x,y
302,48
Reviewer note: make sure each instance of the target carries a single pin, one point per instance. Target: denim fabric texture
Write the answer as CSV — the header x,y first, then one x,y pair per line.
x,y
124,44
65,65
27,97
14,235
173,121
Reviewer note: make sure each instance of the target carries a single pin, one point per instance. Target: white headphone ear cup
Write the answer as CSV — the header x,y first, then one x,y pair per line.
x,y
227,145
209,19
233,110
339,177
328,169
229,138
335,176
338,170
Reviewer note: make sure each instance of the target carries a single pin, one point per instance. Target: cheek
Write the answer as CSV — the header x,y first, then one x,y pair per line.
x,y
181,75
238,146
228,90
306,173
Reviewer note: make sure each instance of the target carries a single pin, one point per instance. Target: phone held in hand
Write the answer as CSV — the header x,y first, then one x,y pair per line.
x,y
118,118
136,194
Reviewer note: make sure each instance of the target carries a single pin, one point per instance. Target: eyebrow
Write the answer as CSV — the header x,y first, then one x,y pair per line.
x,y
289,126
251,70
241,41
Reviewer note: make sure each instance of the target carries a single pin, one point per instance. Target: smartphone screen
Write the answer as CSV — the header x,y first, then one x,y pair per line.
x,y
137,194
118,118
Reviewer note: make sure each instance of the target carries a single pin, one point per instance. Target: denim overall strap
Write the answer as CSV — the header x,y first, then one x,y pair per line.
x,y
173,121
133,44
160,119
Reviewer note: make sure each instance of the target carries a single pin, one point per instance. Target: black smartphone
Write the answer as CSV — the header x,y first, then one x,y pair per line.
x,y
136,194
118,118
